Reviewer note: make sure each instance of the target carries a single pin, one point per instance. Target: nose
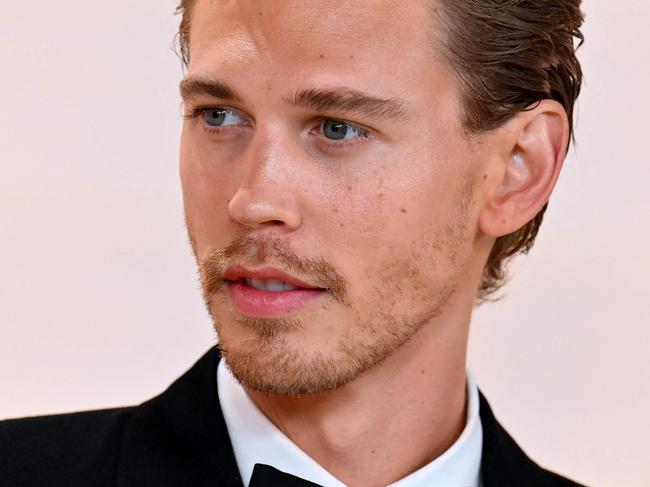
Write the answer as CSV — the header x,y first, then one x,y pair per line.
x,y
267,194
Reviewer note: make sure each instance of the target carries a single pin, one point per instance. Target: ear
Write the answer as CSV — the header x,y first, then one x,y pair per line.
x,y
528,154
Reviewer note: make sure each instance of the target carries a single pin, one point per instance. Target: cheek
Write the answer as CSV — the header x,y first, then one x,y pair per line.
x,y
363,202
381,210
205,199
404,234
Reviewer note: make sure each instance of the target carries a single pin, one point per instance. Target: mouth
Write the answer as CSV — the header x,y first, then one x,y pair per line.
x,y
270,285
268,293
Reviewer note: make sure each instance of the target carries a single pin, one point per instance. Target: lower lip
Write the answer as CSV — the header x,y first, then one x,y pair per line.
x,y
268,304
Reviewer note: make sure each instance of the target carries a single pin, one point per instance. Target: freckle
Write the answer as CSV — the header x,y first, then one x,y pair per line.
x,y
322,56
423,371
336,210
260,13
349,188
381,195
484,176
404,210
341,225
373,451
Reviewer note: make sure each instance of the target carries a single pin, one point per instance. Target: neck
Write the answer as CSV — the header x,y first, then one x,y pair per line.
x,y
416,397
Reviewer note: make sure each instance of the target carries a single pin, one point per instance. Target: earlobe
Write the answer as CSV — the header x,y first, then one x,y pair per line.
x,y
530,150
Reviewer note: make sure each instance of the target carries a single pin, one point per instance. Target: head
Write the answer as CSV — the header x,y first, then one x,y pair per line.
x,y
389,185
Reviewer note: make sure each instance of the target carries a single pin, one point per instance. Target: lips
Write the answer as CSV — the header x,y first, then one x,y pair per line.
x,y
268,292
238,273
272,285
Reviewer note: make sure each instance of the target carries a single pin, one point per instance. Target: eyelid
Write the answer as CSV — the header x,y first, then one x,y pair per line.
x,y
323,118
365,133
199,110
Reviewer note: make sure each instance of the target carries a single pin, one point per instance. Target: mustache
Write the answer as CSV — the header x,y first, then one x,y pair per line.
x,y
249,251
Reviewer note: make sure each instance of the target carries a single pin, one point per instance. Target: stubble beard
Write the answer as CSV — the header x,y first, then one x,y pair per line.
x,y
272,361
271,364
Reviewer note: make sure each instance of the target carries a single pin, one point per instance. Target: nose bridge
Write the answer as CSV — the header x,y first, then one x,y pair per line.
x,y
266,160
267,189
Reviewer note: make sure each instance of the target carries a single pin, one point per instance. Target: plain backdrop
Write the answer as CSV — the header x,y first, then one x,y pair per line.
x,y
99,301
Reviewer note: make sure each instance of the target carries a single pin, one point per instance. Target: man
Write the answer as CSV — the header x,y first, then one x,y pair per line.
x,y
355,176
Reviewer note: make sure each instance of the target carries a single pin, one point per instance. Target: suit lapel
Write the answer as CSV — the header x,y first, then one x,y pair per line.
x,y
503,462
180,437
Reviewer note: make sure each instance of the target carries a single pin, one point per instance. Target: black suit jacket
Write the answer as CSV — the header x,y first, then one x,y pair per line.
x,y
179,438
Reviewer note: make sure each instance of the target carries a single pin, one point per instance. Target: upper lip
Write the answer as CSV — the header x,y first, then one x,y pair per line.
x,y
237,273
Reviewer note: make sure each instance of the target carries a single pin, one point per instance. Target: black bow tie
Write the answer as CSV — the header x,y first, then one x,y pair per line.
x,y
266,476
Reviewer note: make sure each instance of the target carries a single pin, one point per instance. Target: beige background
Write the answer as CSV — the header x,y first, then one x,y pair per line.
x,y
99,304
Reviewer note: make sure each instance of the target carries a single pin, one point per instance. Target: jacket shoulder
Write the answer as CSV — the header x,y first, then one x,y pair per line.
x,y
551,479
176,438
75,449
505,464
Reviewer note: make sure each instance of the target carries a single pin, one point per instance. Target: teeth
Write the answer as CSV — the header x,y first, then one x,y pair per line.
x,y
272,285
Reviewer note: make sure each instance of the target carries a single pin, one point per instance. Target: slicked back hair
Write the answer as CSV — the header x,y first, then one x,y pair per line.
x,y
507,55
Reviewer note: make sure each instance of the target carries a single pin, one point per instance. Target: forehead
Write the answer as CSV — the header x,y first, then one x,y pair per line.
x,y
369,35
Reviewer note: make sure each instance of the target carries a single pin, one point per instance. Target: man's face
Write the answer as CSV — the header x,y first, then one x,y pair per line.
x,y
323,148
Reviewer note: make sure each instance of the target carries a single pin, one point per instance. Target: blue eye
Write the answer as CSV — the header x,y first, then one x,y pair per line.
x,y
339,130
219,117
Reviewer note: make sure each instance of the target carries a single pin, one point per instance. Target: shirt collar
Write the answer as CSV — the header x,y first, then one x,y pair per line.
x,y
255,439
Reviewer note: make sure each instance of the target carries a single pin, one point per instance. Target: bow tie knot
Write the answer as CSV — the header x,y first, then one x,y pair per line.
x,y
267,476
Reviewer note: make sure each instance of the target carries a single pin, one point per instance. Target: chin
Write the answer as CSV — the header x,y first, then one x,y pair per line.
x,y
279,359
275,356
282,371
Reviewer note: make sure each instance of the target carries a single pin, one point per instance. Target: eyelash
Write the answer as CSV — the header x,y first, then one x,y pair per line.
x,y
364,134
199,112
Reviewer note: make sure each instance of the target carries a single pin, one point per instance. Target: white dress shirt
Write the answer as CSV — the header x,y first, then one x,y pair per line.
x,y
255,439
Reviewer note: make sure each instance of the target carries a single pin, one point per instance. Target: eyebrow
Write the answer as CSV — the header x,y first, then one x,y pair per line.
x,y
347,101
196,86
339,99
